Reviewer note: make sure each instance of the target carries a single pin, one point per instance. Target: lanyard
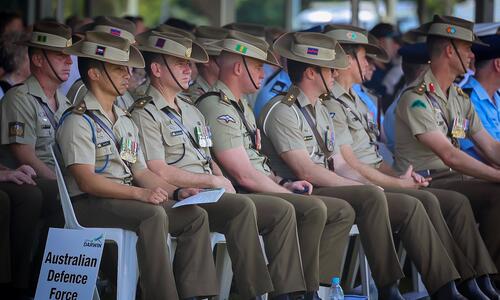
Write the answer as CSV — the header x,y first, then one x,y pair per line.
x,y
245,123
187,133
105,127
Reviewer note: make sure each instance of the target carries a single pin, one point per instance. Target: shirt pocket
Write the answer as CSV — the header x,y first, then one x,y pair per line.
x,y
44,128
103,148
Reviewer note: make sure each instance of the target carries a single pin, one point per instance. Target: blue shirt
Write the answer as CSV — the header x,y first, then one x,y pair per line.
x,y
367,99
272,87
486,109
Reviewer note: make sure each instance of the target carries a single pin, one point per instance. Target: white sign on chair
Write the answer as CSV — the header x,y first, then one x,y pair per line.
x,y
70,264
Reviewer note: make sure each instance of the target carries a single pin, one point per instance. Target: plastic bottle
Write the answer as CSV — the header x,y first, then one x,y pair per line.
x,y
336,292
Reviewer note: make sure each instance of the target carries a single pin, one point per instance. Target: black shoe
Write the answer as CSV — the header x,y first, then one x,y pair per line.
x,y
448,292
471,290
390,292
485,284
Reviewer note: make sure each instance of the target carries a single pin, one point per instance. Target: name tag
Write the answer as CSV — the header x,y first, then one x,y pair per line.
x,y
176,133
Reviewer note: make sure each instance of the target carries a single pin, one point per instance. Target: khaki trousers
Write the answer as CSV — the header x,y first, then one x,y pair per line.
x,y
452,217
193,267
377,215
484,198
323,225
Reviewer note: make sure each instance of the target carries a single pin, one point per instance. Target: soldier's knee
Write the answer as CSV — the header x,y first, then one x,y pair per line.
x,y
244,204
410,206
429,200
373,197
347,213
317,209
157,214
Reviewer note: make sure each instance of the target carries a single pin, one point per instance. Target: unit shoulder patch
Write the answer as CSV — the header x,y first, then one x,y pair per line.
x,y
418,104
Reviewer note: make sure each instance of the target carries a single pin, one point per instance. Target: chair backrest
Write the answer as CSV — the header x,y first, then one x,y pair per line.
x,y
67,206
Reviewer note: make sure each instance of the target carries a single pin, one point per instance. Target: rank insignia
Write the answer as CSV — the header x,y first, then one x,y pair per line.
x,y
418,104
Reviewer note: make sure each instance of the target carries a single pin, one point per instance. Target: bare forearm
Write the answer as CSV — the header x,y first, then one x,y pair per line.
x,y
25,155
257,182
179,177
149,180
103,187
463,163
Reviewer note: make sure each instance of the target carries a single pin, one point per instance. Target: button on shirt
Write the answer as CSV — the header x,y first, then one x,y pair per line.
x,y
74,138
487,110
24,120
162,139
284,128
228,129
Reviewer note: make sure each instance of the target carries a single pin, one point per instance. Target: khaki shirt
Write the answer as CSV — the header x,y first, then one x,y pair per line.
x,y
415,114
74,137
354,125
24,120
284,128
198,88
78,90
228,130
162,139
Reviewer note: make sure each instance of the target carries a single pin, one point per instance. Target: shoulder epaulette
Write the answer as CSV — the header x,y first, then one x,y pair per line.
x,y
291,96
79,108
420,89
141,102
206,95
326,96
468,91
17,84
185,98
224,98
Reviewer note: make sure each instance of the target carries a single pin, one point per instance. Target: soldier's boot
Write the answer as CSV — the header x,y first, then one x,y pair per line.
x,y
484,282
390,292
448,292
471,290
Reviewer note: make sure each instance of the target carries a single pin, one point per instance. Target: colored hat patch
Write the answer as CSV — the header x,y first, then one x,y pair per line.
x,y
41,39
100,50
312,51
240,48
451,30
115,32
160,43
351,35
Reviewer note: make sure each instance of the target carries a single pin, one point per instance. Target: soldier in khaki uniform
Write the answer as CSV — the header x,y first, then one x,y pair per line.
x,y
100,149
176,144
208,72
117,27
236,145
298,134
433,114
356,136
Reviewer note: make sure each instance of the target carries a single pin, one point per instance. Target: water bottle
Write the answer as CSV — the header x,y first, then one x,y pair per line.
x,y
336,292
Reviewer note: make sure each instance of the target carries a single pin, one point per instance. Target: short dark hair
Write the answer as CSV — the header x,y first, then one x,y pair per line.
x,y
84,65
296,69
436,45
12,55
179,23
482,63
149,58
351,49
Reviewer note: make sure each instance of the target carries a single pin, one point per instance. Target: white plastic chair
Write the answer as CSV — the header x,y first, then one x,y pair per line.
x,y
126,240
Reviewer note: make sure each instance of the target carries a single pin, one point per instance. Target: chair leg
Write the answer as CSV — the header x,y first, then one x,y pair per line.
x,y
96,294
224,271
127,268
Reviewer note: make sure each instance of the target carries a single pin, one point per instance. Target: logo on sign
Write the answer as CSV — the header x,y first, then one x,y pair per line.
x,y
94,243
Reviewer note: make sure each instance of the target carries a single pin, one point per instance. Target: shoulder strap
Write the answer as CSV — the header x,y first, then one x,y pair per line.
x,y
206,95
317,135
291,95
468,91
140,103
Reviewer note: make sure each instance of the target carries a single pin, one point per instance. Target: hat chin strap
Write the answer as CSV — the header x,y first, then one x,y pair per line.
x,y
172,74
248,72
327,92
359,66
458,54
110,80
50,65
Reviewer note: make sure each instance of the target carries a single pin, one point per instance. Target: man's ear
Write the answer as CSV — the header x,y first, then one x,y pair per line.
x,y
496,64
94,74
310,73
238,68
155,69
449,51
37,59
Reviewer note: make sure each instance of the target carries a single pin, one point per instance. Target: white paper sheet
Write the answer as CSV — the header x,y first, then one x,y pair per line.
x,y
204,197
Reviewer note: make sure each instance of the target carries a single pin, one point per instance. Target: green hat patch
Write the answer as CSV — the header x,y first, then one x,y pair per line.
x,y
418,104
240,48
